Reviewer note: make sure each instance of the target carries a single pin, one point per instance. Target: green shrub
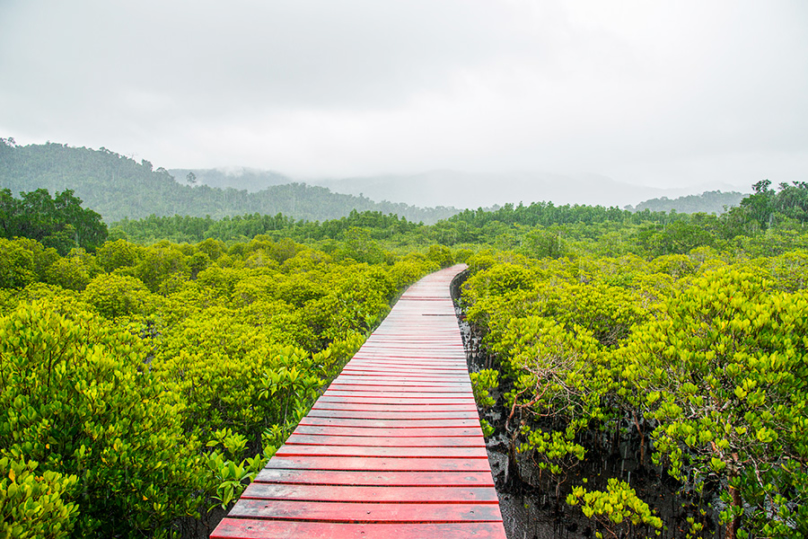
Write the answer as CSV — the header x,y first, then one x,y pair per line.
x,y
74,396
16,265
114,296
32,505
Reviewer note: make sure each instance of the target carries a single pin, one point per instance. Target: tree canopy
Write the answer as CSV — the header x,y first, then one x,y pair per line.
x,y
59,222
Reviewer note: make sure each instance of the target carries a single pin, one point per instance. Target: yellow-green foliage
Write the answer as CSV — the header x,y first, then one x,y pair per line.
x,y
32,504
725,375
441,255
408,269
16,264
616,508
117,255
77,400
114,296
141,385
482,383
72,272
704,356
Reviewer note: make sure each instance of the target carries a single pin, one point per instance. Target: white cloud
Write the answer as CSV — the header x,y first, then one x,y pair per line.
x,y
653,92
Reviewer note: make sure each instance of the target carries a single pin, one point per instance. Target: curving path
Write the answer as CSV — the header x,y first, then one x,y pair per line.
x,y
393,449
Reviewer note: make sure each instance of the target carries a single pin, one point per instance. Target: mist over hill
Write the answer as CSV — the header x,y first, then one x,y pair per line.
x,y
118,187
473,190
247,179
707,202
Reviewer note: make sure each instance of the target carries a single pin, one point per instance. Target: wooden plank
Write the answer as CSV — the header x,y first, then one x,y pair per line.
x,y
375,478
394,375
364,512
389,370
387,393
412,362
400,432
407,358
436,391
394,411
274,529
443,340
465,400
422,408
416,351
359,494
415,359
403,397
445,334
396,365
380,464
428,369
393,382
294,450
409,342
376,441
390,423
412,343
406,415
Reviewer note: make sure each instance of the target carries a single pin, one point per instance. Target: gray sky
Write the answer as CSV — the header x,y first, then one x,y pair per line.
x,y
664,93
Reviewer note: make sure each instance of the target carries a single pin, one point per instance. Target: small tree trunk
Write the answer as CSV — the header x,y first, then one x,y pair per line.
x,y
642,439
513,466
735,501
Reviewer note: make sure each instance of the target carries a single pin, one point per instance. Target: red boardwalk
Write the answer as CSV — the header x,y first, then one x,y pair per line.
x,y
393,449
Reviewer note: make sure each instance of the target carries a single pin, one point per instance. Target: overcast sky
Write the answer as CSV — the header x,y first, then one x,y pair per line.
x,y
664,93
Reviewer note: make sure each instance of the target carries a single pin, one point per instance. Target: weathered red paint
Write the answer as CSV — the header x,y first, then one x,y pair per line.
x,y
393,449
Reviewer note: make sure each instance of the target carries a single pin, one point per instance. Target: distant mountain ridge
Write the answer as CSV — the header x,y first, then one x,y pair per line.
x,y
707,202
118,187
457,189
474,190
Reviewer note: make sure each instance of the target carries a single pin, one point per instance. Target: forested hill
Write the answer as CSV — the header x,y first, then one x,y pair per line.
x,y
238,178
118,187
707,202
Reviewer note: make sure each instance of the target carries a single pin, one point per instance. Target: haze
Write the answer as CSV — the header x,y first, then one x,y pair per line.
x,y
661,94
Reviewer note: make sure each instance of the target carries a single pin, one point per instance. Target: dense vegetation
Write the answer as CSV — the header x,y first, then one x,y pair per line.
x,y
144,380
700,360
707,202
118,187
59,222
241,227
695,361
141,386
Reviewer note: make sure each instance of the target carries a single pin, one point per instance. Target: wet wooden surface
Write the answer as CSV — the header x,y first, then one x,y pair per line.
x,y
393,449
